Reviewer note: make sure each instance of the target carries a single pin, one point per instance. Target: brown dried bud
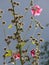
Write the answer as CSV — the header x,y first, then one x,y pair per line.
x,y
37,43
41,40
16,17
10,9
20,16
5,48
16,33
31,3
24,51
36,40
31,17
3,22
36,57
14,3
42,27
33,39
1,11
16,21
37,63
37,51
38,34
6,39
27,58
13,21
4,56
30,26
26,8
23,61
17,3
10,37
0,16
8,42
4,63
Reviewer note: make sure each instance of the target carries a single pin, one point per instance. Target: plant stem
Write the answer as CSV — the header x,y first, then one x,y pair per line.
x,y
17,32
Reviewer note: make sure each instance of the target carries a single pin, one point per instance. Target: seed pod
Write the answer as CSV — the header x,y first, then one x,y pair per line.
x,y
10,37
41,40
33,39
37,43
15,33
31,3
26,9
11,61
38,34
24,51
30,26
27,58
6,39
5,48
37,51
20,16
37,63
4,63
17,3
3,22
14,3
23,60
4,56
0,16
33,63
8,42
31,17
13,21
41,27
1,11
36,57
16,17
10,9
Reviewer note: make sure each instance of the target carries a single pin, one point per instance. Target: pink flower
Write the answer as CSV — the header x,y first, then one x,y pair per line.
x,y
33,53
16,56
36,10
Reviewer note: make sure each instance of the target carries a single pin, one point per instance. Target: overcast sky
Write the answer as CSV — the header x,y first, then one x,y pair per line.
x,y
43,18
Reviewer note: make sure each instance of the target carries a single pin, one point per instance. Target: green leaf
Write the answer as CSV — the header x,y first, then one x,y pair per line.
x,y
8,53
10,26
33,42
22,44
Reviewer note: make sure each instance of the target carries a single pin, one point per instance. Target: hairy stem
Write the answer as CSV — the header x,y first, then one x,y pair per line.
x,y
17,32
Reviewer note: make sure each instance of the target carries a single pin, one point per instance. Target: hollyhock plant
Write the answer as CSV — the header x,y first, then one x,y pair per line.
x,y
32,53
16,56
22,35
36,10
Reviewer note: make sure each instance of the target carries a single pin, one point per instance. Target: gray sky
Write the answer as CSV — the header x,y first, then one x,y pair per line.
x,y
43,18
